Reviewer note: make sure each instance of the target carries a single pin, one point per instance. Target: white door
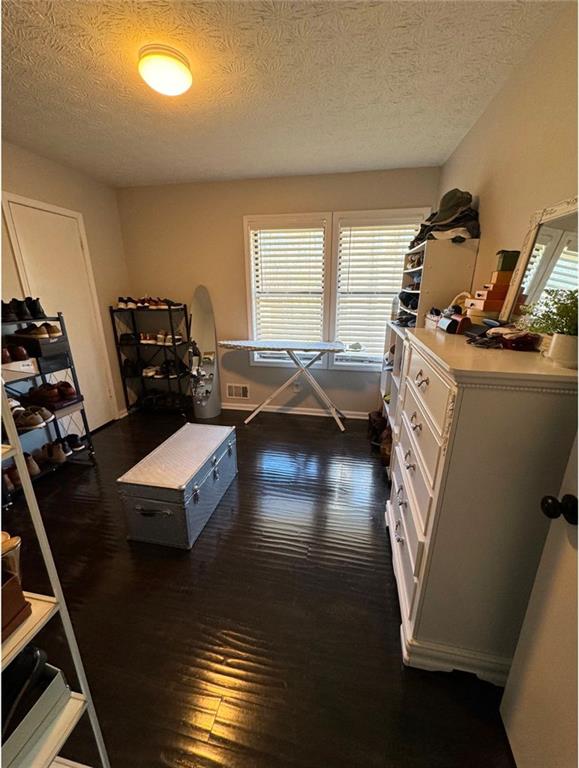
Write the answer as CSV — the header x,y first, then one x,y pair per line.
x,y
539,706
54,264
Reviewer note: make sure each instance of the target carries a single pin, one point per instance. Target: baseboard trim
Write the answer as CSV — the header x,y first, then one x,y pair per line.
x,y
121,414
445,658
298,411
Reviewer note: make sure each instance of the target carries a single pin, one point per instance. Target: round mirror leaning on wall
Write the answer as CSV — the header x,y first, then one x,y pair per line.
x,y
543,289
203,353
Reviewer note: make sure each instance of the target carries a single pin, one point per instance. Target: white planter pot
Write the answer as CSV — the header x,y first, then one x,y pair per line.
x,y
563,350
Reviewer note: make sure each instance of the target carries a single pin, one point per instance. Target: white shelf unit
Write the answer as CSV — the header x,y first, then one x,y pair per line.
x,y
446,270
391,371
42,751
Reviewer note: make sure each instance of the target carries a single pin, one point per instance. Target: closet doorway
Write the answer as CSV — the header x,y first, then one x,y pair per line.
x,y
53,262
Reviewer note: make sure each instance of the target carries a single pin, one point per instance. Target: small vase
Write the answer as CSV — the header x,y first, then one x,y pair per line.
x,y
563,350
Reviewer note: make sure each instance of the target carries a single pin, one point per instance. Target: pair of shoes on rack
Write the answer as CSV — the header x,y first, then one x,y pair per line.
x,y
27,309
49,394
46,331
166,339
31,417
128,338
14,353
12,476
126,302
148,302
56,452
170,369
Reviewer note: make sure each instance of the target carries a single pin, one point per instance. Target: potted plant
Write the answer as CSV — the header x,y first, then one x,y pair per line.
x,y
555,314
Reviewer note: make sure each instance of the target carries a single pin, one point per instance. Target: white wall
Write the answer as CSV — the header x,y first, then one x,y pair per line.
x,y
179,236
30,175
521,155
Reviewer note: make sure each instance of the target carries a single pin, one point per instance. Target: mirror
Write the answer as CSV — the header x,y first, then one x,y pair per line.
x,y
204,376
548,258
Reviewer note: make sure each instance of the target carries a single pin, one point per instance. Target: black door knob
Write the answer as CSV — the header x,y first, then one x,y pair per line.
x,y
553,508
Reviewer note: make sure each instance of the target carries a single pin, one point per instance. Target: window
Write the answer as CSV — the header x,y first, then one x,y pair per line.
x,y
314,277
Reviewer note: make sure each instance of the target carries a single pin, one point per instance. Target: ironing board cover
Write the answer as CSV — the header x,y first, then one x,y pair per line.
x,y
175,462
282,345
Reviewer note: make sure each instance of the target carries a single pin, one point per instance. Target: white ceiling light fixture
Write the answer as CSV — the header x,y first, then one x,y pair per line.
x,y
165,70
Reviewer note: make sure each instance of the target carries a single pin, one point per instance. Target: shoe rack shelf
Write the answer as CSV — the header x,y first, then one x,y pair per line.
x,y
42,750
55,358
138,389
444,269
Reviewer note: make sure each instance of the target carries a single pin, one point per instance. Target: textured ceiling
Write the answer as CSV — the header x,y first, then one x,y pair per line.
x,y
279,87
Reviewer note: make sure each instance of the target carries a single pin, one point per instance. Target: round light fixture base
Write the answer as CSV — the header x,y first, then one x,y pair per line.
x,y
165,69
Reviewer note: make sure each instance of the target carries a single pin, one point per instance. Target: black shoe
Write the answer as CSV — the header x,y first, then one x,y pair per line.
x,y
8,313
66,447
21,310
75,443
35,308
127,338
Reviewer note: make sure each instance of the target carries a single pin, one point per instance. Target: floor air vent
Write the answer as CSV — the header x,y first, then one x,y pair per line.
x,y
239,391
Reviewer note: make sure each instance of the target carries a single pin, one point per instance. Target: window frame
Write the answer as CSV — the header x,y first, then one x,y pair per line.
x,y
330,221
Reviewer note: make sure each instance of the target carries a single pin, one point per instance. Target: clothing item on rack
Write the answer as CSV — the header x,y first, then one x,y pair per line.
x,y
455,220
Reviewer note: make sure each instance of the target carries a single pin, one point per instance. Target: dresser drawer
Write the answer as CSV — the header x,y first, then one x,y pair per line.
x,y
414,482
424,437
432,390
401,559
402,503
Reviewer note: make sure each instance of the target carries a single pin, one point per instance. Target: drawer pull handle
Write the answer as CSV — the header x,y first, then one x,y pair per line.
x,y
421,379
416,425
214,460
399,499
195,494
399,539
407,464
152,512
229,449
216,474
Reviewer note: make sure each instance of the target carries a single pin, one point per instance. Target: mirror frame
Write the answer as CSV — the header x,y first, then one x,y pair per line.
x,y
564,208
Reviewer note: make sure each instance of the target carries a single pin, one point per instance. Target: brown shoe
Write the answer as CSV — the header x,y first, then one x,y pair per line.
x,y
14,477
66,390
53,453
44,413
31,465
6,358
53,330
33,332
8,484
18,353
45,394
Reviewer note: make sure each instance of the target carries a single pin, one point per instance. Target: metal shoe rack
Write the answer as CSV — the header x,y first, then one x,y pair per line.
x,y
139,390
50,361
42,751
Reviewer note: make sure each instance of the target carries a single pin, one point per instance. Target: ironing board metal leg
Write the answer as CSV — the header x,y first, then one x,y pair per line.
x,y
330,405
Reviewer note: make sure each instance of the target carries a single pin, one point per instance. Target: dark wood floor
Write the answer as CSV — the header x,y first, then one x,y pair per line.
x,y
274,643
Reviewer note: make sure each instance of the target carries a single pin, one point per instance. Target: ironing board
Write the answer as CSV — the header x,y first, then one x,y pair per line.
x,y
319,348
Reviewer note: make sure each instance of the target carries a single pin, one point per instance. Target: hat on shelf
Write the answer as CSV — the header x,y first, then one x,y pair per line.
x,y
452,204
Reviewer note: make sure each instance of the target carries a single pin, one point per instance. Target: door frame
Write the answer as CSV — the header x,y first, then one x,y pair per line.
x,y
21,268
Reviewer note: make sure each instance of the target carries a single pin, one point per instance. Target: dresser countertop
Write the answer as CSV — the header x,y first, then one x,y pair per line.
x,y
465,362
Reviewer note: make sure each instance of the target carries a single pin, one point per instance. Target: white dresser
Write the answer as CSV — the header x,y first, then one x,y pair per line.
x,y
480,436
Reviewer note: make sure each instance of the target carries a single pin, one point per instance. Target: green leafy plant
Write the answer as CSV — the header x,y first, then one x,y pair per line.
x,y
556,312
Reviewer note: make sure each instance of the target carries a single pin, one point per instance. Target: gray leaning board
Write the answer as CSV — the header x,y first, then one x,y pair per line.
x,y
170,495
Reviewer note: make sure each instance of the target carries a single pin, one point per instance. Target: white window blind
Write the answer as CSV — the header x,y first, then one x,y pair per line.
x,y
369,263
325,277
288,266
